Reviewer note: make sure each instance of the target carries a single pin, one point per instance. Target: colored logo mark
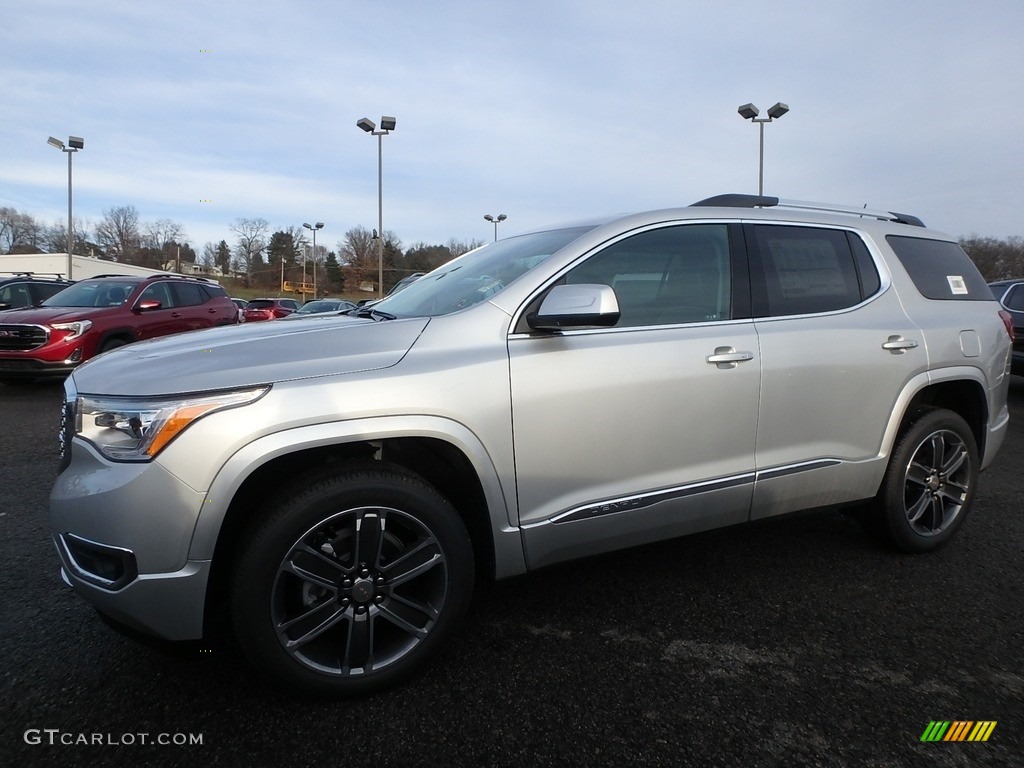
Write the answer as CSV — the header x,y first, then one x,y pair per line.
x,y
958,730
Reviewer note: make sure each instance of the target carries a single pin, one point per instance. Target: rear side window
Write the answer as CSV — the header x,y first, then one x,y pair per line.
x,y
806,270
189,294
1015,298
940,269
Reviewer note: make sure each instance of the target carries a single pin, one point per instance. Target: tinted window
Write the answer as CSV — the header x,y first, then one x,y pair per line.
x,y
213,289
1015,298
867,272
666,276
15,295
189,294
940,269
805,270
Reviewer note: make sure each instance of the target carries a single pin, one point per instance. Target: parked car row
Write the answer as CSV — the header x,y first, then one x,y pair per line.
x,y
49,338
1010,294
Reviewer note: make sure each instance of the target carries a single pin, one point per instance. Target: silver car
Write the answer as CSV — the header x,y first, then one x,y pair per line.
x,y
337,488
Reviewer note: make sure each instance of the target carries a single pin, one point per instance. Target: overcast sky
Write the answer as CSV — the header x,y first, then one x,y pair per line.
x,y
545,110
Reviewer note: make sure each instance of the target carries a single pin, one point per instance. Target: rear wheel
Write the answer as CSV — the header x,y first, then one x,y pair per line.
x,y
351,581
929,485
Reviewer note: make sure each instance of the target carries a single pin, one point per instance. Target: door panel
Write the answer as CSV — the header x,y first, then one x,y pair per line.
x,y
645,430
607,417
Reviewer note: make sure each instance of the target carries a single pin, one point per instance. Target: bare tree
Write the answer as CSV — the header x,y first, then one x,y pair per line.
x,y
118,234
209,257
458,247
252,240
996,259
19,232
157,234
358,256
55,239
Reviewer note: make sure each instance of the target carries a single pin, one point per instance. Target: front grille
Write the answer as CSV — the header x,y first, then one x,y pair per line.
x,y
22,338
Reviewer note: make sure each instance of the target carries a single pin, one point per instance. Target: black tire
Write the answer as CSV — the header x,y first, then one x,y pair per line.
x,y
110,344
929,485
350,624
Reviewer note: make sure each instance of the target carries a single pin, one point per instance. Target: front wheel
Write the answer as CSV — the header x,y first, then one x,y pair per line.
x,y
930,483
351,580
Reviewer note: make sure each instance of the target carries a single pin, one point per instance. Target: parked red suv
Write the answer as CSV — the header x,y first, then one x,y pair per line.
x,y
92,316
268,309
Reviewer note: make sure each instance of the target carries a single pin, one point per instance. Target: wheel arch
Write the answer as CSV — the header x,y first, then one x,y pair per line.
x,y
446,464
963,395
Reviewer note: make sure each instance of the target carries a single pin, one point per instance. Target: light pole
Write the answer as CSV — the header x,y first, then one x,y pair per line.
x,y
496,221
750,112
75,143
313,228
387,125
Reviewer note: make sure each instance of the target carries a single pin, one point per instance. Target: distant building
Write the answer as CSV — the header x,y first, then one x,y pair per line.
x,y
82,266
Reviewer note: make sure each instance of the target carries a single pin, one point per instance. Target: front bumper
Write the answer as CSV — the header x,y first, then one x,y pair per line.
x,y
27,368
122,532
165,605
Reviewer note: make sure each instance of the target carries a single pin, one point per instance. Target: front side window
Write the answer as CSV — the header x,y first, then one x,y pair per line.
x,y
158,292
806,270
665,276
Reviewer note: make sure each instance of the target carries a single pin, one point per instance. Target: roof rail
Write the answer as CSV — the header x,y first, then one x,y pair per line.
x,y
762,201
58,275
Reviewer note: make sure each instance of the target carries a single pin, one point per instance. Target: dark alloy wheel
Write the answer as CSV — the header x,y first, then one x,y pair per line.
x,y
351,581
930,482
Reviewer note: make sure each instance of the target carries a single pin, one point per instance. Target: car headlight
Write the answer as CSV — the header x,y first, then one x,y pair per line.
x,y
137,429
74,329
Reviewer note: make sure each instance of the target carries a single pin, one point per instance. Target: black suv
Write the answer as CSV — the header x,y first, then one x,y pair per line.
x,y
1010,294
26,289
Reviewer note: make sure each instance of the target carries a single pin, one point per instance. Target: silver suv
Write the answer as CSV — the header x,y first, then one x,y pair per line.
x,y
337,488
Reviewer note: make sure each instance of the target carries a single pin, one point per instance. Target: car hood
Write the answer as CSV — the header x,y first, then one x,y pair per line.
x,y
246,355
49,315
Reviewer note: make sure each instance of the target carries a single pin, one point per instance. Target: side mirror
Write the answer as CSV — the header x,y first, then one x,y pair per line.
x,y
148,305
576,306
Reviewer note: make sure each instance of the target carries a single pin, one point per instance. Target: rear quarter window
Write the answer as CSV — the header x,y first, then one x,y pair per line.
x,y
940,269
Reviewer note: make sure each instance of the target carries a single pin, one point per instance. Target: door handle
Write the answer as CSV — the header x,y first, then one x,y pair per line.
x,y
728,357
898,345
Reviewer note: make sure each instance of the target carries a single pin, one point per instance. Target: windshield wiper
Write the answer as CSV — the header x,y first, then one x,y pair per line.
x,y
375,314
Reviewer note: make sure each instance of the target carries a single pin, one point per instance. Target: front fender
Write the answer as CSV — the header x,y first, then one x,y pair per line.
x,y
508,551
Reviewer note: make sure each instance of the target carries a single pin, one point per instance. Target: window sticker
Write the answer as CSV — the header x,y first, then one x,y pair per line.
x,y
957,285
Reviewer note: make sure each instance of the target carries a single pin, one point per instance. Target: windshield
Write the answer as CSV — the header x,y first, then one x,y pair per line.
x,y
99,293
476,275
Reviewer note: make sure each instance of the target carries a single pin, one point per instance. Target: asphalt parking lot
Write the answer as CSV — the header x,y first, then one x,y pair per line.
x,y
796,642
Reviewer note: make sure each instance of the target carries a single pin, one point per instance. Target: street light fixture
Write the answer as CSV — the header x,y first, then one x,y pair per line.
x,y
313,228
75,143
496,221
387,125
750,112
